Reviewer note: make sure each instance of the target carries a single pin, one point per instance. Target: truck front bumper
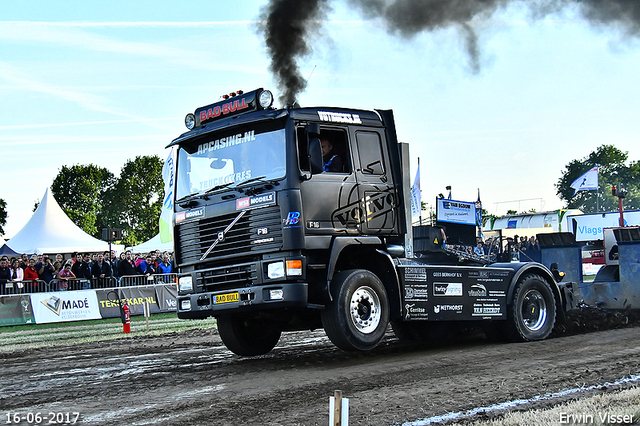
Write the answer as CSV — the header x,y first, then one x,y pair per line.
x,y
246,299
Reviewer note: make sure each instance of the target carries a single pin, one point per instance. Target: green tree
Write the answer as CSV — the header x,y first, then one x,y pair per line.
x,y
613,170
80,191
3,215
136,200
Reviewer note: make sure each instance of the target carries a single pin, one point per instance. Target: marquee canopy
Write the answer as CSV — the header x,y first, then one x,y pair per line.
x,y
51,231
154,243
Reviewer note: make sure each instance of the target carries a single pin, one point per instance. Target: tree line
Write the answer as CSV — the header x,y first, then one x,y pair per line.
x,y
614,169
94,198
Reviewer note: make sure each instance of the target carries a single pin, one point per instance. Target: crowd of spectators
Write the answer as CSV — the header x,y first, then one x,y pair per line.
x,y
493,246
23,274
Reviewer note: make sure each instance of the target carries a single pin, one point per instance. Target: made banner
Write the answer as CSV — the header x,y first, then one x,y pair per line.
x,y
64,306
16,310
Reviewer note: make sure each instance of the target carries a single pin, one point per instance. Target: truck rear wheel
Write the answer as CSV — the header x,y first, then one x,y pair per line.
x,y
358,316
532,314
247,336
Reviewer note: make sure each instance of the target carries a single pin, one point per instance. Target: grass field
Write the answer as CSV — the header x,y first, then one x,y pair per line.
x,y
68,333
614,408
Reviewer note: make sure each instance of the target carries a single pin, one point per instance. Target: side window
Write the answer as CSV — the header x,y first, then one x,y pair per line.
x,y
370,153
335,150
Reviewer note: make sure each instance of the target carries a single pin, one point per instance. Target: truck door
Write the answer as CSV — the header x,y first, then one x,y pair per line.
x,y
377,202
330,198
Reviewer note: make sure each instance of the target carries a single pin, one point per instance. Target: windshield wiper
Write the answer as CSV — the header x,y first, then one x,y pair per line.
x,y
213,189
186,200
257,178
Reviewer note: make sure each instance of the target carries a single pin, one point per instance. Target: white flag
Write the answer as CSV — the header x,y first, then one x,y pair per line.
x,y
166,214
416,202
586,182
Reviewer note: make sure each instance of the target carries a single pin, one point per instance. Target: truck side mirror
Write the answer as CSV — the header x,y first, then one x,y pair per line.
x,y
315,156
314,148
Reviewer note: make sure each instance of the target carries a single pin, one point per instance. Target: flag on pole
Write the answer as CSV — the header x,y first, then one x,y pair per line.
x,y
587,181
479,214
166,214
416,202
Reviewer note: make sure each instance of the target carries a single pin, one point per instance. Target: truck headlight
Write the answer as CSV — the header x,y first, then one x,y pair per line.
x,y
265,99
190,121
185,283
275,270
276,294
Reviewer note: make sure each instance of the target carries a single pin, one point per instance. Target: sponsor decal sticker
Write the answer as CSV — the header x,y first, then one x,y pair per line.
x,y
293,218
447,289
256,201
478,290
189,214
413,311
339,117
443,308
416,292
415,274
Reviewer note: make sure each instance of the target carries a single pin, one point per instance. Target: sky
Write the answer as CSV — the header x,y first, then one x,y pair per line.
x,y
94,82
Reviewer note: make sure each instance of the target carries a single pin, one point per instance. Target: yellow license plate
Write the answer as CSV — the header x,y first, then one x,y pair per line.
x,y
228,297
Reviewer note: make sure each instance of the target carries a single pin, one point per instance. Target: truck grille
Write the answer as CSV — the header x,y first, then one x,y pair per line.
x,y
259,230
227,277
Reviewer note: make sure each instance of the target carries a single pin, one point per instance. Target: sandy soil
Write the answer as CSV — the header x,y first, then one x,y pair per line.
x,y
190,378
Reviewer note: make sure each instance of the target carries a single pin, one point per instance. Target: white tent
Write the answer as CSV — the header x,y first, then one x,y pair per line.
x,y
51,231
153,244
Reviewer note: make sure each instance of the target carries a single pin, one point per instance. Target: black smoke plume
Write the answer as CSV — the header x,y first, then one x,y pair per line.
x,y
289,24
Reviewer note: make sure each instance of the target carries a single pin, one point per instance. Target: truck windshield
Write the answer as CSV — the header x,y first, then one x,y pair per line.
x,y
237,155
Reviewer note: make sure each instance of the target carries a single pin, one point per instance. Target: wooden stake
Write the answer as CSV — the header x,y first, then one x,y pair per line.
x,y
146,312
337,408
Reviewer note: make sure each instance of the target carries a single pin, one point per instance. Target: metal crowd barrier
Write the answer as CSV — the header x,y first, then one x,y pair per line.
x,y
40,286
137,280
25,286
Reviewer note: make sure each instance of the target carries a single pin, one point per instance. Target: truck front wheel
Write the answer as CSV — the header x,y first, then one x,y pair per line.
x,y
532,313
358,316
247,336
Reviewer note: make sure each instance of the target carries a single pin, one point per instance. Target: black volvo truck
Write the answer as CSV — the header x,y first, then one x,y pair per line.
x,y
268,241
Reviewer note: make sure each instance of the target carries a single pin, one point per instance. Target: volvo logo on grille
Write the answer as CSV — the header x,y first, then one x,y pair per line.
x,y
221,236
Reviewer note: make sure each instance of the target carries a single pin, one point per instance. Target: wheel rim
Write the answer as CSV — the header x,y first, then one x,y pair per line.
x,y
534,310
365,309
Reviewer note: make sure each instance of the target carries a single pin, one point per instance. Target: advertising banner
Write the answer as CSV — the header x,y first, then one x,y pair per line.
x,y
446,293
134,296
588,227
455,211
166,296
16,310
64,306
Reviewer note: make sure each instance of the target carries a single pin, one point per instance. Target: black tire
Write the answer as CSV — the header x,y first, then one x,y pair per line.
x,y
532,313
247,336
358,316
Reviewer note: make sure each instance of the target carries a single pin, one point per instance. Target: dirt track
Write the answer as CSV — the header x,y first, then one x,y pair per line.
x,y
190,378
